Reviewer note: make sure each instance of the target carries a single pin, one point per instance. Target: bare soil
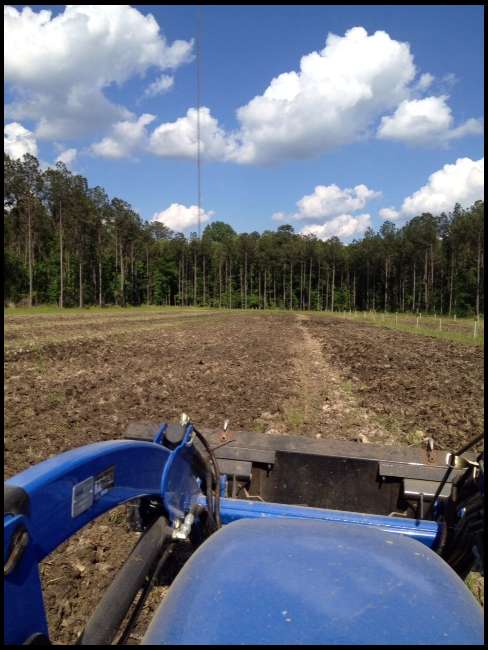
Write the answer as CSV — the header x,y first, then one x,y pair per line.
x,y
72,383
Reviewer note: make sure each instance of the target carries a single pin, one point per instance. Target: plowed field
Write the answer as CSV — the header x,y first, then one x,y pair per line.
x,y
75,379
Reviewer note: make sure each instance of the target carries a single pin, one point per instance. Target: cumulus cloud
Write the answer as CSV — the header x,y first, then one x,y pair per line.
x,y
343,226
333,99
17,141
337,96
127,138
389,214
461,182
425,121
333,206
67,156
180,217
161,85
330,101
58,67
179,138
328,201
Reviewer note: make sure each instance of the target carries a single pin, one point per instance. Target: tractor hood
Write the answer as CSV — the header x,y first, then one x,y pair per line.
x,y
279,581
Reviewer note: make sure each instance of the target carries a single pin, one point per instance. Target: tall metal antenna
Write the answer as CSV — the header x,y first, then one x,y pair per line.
x,y
199,172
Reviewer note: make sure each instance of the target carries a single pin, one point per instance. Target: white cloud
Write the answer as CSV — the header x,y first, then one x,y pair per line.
x,y
179,138
179,217
128,137
329,200
17,140
332,100
389,214
343,226
333,206
470,127
58,67
161,85
336,97
461,182
424,81
67,156
425,121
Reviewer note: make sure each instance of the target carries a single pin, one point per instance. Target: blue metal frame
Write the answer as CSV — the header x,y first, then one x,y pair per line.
x,y
49,522
231,510
139,469
179,487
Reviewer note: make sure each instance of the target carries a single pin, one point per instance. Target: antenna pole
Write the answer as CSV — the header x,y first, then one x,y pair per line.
x,y
199,191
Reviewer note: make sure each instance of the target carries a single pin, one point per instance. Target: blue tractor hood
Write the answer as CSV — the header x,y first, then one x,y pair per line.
x,y
285,581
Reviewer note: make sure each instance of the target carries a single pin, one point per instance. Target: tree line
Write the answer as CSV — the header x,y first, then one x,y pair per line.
x,y
69,244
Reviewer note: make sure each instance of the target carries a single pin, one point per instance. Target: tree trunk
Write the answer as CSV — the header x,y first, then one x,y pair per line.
x,y
230,283
367,286
451,283
333,288
220,282
132,272
204,283
386,283
432,276
426,295
291,285
100,294
61,274
318,290
100,299
179,283
29,239
327,289
413,291
147,273
245,280
265,302
122,279
310,286
81,282
301,285
194,278
478,266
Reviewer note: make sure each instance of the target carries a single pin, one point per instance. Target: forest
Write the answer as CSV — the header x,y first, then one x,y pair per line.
x,y
69,244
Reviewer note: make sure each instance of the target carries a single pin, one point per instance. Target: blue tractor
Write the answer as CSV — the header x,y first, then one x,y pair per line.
x,y
264,539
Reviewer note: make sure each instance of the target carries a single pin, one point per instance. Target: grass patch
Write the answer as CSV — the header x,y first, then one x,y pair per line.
x,y
55,399
415,438
459,330
294,417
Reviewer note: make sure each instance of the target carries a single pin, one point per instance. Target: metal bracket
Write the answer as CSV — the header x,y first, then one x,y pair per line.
x,y
20,539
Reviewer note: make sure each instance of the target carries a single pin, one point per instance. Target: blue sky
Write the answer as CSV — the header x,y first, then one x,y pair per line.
x,y
243,49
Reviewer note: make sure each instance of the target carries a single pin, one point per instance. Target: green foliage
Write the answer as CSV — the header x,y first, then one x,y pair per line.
x,y
15,278
432,264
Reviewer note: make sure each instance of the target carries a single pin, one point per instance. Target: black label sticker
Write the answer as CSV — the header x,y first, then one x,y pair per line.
x,y
104,481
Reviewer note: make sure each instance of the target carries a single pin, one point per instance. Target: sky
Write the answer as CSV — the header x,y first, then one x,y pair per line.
x,y
330,118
